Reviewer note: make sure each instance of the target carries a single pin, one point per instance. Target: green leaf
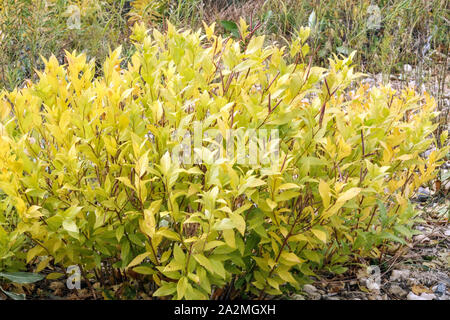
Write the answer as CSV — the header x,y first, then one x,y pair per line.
x,y
403,231
389,236
231,27
312,255
144,270
22,277
54,276
166,289
13,295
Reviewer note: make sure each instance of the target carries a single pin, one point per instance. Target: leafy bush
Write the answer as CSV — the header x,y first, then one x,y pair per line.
x,y
87,177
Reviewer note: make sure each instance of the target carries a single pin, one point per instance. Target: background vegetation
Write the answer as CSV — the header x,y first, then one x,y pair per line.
x,y
415,32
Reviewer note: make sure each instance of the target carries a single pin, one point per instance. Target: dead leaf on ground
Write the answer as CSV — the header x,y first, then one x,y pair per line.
x,y
419,289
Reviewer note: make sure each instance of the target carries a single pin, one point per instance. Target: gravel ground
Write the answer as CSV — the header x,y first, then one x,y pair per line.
x,y
418,271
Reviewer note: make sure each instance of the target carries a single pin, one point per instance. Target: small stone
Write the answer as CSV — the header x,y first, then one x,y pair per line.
x,y
427,153
412,282
412,296
331,298
407,68
398,291
421,238
440,289
298,297
397,275
372,285
428,296
446,185
423,194
310,289
423,296
315,296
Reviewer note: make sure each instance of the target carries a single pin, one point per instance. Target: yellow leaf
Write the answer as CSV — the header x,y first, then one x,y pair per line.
x,y
54,276
349,194
155,206
70,226
286,186
209,30
255,44
419,289
405,157
291,257
110,145
138,259
229,238
272,204
254,182
126,182
144,270
324,190
238,222
284,274
204,262
321,235
44,263
344,149
298,237
165,163
169,234
142,165
181,287
123,122
172,266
